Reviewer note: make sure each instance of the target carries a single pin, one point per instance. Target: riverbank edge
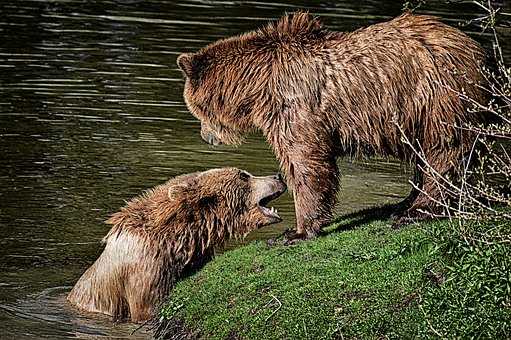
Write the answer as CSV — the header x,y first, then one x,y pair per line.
x,y
360,279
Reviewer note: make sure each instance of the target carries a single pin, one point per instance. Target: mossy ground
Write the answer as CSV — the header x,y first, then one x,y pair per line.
x,y
371,281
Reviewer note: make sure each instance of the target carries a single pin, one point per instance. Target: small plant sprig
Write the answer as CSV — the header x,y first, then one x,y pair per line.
x,y
482,191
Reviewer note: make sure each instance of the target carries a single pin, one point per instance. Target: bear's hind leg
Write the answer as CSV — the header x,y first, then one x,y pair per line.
x,y
435,192
407,202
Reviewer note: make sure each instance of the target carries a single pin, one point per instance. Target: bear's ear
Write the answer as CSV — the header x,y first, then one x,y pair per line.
x,y
176,190
185,63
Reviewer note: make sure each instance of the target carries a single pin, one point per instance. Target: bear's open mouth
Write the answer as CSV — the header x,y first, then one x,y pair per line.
x,y
270,211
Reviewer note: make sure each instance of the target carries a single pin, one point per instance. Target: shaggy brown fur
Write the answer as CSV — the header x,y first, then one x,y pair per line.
x,y
168,230
317,95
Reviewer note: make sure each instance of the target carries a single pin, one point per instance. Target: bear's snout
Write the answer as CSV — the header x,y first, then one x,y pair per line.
x,y
279,177
270,187
209,136
211,139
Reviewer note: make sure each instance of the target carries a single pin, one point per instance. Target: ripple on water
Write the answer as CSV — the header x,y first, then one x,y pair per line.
x,y
47,314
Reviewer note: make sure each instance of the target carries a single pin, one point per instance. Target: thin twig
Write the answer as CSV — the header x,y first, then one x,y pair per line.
x,y
274,298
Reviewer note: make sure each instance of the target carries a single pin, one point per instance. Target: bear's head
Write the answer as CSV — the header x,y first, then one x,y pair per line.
x,y
239,84
227,201
214,94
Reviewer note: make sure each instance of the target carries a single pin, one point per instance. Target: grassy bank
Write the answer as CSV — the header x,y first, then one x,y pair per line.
x,y
366,282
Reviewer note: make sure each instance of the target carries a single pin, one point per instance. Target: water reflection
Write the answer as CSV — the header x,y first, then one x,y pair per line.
x,y
91,113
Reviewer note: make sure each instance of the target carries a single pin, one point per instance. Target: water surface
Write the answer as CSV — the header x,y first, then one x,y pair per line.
x,y
91,113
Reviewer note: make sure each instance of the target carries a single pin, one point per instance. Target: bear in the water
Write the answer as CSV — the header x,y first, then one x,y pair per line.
x,y
168,230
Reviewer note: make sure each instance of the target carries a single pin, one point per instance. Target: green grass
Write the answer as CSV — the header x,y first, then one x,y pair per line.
x,y
369,282
474,298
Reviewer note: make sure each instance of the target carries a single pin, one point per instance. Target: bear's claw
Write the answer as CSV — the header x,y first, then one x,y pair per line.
x,y
291,236
287,238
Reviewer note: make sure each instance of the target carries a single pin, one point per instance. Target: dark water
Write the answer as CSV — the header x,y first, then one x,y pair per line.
x,y
91,113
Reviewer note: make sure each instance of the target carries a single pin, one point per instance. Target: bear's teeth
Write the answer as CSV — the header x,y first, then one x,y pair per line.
x,y
274,211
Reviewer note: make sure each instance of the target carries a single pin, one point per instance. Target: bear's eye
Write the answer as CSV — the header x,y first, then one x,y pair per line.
x,y
244,176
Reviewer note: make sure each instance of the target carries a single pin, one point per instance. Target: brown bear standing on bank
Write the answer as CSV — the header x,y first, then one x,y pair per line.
x,y
168,230
317,95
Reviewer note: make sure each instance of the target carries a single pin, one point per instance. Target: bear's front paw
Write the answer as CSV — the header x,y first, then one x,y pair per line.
x,y
292,236
287,238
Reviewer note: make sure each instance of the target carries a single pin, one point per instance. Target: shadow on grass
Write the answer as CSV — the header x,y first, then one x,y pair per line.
x,y
364,216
